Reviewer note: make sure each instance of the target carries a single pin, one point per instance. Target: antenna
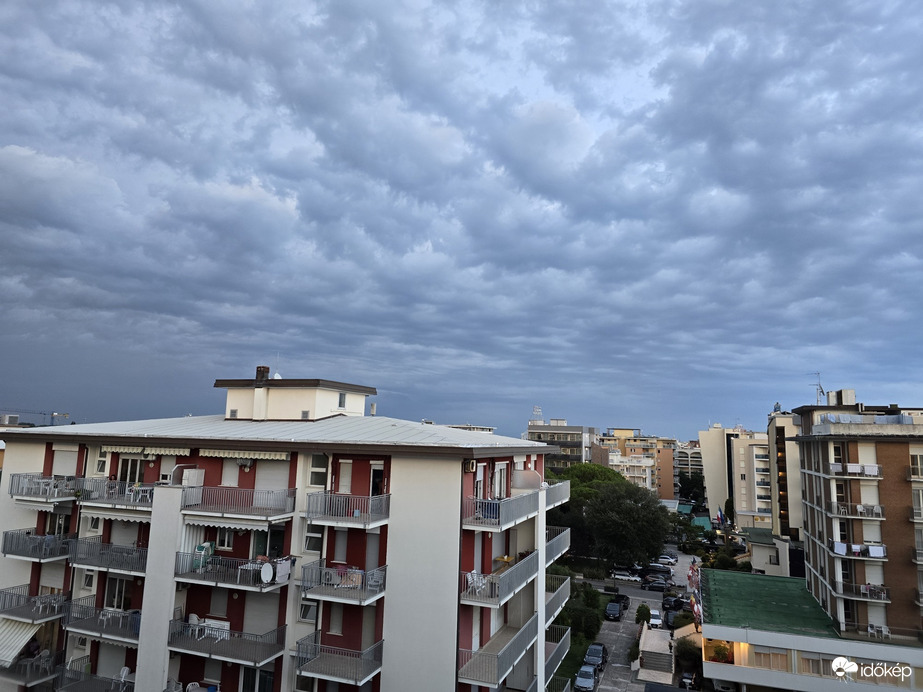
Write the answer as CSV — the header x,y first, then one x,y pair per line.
x,y
820,390
537,413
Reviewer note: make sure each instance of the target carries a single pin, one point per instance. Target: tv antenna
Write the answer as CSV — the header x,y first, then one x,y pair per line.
x,y
820,390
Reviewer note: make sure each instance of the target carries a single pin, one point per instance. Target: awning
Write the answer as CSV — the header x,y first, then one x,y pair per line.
x,y
243,454
167,451
122,449
14,635
118,514
233,524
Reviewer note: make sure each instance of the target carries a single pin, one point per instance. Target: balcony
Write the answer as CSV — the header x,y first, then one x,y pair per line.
x,y
557,591
30,672
338,665
102,492
864,592
861,551
499,515
767,498
857,511
17,604
556,494
205,638
121,626
761,469
360,511
34,487
557,542
246,575
916,555
93,554
916,514
762,484
558,684
342,584
854,470
25,544
918,597
267,506
915,473
495,589
557,644
495,659
73,680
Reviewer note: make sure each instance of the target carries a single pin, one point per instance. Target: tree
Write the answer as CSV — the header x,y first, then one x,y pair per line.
x,y
627,523
688,655
692,486
643,613
729,511
586,481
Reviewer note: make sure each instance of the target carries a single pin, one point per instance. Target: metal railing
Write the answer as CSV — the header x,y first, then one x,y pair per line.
x,y
350,509
490,668
332,662
556,493
559,588
558,684
761,469
77,680
557,541
39,486
841,469
496,588
82,615
30,671
15,602
480,513
560,637
850,509
92,552
239,501
231,571
872,592
205,639
341,582
26,543
106,491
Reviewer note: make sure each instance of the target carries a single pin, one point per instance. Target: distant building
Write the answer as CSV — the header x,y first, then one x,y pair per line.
x,y
752,481
646,458
574,441
785,475
687,459
723,461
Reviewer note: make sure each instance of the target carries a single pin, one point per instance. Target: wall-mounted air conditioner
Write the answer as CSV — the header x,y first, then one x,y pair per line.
x,y
470,466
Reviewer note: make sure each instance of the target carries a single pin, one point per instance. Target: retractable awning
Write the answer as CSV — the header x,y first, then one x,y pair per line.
x,y
118,514
14,635
243,454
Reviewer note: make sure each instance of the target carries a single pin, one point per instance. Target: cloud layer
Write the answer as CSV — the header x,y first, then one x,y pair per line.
x,y
656,214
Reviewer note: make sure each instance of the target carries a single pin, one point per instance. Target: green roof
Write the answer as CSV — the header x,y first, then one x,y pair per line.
x,y
762,602
758,535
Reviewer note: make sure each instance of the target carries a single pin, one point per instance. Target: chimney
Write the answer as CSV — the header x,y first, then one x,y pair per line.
x,y
372,409
262,373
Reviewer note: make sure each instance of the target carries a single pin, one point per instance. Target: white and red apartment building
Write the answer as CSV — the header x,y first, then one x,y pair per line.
x,y
290,543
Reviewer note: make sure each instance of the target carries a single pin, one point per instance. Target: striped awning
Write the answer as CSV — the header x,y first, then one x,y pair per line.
x,y
167,451
122,449
14,635
243,454
233,524
118,514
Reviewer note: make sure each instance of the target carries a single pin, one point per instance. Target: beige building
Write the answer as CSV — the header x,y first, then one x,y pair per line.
x,y
575,442
647,460
752,478
722,451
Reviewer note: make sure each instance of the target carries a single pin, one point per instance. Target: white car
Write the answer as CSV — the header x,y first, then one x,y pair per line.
x,y
656,622
666,560
625,576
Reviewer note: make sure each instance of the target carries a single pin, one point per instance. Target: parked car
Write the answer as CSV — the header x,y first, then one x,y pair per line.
x,y
687,681
667,602
597,655
656,585
623,599
666,560
656,567
613,610
656,621
724,686
625,576
587,679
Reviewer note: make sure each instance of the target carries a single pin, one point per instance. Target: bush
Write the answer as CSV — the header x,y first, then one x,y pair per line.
x,y
643,613
683,619
594,573
589,595
688,655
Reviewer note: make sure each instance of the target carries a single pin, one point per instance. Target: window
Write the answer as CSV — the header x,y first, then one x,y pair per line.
x,y
94,523
318,470
336,618
773,659
260,680
219,603
118,593
88,578
339,551
308,611
342,401
743,476
212,669
305,415
58,524
131,470
101,461
811,665
313,542
232,413
225,540
81,642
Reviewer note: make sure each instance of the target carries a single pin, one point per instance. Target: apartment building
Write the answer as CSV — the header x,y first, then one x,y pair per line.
x,y
687,459
645,460
720,452
291,543
752,478
636,468
574,442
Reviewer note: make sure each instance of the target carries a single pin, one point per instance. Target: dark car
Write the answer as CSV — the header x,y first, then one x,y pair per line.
x,y
613,610
656,585
622,599
667,602
597,655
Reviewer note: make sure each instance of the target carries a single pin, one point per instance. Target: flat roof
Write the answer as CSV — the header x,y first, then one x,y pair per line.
x,y
758,535
762,602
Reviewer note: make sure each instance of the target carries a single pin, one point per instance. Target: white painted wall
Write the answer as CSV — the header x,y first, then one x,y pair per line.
x,y
20,457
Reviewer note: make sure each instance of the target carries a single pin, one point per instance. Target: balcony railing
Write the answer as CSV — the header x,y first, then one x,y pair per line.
x,y
916,514
26,543
916,555
17,604
557,493
108,623
557,542
764,497
872,551
849,509
764,510
493,661
103,491
92,552
762,484
871,592
238,502
35,486
337,509
74,680
497,588
337,664
558,684
30,672
761,469
249,575
862,470
557,644
499,514
204,638
341,583
557,591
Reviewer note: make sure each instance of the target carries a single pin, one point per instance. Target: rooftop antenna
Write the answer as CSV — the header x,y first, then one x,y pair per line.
x,y
820,390
537,413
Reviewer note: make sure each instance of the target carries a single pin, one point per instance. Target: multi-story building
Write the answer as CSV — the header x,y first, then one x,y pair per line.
x,y
290,543
687,460
753,492
785,474
647,460
574,442
721,462
636,468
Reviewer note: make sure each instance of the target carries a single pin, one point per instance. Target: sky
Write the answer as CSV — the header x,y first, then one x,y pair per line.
x,y
656,214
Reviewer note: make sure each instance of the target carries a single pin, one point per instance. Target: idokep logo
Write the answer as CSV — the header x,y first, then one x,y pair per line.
x,y
842,667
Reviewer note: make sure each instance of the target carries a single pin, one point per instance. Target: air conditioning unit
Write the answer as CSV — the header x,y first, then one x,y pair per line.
x,y
470,466
10,419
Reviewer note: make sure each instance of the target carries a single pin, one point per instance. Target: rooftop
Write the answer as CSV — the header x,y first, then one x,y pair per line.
x,y
762,602
760,536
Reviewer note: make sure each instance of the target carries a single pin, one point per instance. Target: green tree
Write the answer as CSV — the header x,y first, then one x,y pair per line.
x,y
627,523
586,481
729,510
643,613
692,486
687,654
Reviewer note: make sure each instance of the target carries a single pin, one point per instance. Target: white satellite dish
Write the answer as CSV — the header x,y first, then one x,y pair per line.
x,y
267,573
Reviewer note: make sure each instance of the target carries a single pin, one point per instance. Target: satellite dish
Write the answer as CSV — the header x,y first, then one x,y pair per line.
x,y
277,376
267,573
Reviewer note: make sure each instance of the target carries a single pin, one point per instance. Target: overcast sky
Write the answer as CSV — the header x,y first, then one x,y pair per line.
x,y
646,214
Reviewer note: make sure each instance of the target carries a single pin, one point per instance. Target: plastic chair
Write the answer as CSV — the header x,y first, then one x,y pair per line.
x,y
173,685
196,628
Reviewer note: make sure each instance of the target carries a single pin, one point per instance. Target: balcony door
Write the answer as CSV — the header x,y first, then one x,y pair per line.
x,y
131,470
258,680
118,593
